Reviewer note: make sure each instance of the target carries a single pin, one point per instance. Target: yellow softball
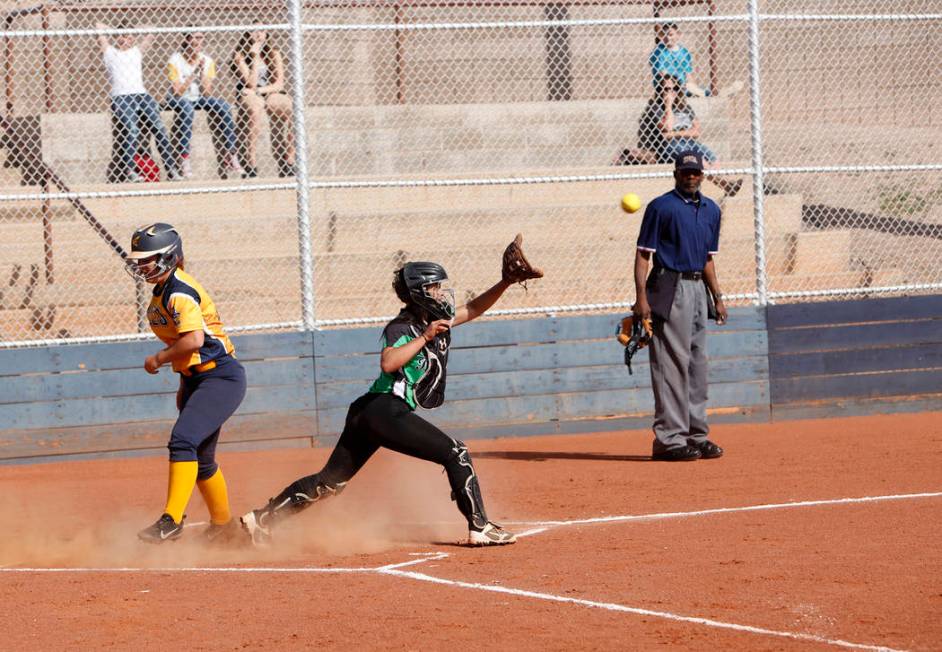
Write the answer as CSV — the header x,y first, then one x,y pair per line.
x,y
630,202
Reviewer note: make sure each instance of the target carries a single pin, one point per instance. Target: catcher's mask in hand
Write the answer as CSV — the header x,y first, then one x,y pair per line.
x,y
634,334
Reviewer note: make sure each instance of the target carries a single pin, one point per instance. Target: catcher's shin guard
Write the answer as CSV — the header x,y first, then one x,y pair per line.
x,y
295,498
465,490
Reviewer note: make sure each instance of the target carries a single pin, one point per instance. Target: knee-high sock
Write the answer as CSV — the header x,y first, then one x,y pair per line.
x,y
180,487
216,496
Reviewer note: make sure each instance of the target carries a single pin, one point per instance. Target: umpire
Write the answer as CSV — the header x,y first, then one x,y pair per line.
x,y
681,229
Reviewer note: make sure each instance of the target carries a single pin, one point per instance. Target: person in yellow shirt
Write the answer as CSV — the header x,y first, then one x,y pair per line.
x,y
191,73
212,382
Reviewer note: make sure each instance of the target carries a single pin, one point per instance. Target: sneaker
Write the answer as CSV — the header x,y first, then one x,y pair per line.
x,y
134,177
252,524
186,168
708,450
491,535
165,529
233,167
174,175
249,172
681,454
226,535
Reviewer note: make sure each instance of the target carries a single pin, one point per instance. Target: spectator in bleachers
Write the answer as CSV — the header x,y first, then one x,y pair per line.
x,y
260,72
669,57
669,125
131,104
191,73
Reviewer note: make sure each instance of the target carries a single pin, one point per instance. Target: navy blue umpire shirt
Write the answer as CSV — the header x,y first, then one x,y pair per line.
x,y
680,232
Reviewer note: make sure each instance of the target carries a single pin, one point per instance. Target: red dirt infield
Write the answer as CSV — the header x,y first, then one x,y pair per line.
x,y
806,535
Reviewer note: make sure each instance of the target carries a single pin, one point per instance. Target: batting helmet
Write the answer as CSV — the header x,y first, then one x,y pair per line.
x,y
155,249
417,278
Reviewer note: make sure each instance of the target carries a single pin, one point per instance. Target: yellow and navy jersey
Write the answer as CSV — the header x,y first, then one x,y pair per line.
x,y
181,305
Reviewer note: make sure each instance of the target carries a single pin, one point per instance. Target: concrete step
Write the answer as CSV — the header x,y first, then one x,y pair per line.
x,y
580,266
31,212
823,252
381,201
52,320
204,238
404,139
10,176
363,219
817,281
538,222
782,214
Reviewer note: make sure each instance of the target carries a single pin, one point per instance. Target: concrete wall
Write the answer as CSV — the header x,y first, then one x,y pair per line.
x,y
512,377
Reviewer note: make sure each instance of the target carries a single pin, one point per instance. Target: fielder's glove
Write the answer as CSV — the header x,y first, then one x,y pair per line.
x,y
634,334
516,268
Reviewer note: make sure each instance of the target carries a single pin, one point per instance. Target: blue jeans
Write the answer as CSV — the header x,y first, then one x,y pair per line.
x,y
673,146
130,111
217,111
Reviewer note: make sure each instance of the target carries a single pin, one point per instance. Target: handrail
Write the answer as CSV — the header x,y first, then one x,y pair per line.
x,y
49,176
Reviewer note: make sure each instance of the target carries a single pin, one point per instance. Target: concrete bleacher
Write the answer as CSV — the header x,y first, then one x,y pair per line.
x,y
398,139
575,230
243,245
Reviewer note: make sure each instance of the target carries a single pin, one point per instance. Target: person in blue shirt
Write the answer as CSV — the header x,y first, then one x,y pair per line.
x,y
681,232
669,57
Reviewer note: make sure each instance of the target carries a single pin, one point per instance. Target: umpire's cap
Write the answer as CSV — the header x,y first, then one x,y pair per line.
x,y
689,159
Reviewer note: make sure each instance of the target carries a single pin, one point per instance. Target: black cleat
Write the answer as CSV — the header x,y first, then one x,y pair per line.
x,y
165,529
681,454
708,450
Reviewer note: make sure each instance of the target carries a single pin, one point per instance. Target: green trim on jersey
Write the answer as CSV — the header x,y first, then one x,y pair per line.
x,y
401,383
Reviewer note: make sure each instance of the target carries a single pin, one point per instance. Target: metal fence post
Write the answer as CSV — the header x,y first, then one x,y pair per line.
x,y
758,182
305,257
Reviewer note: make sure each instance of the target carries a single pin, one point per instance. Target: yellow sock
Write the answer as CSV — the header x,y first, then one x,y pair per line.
x,y
216,496
180,487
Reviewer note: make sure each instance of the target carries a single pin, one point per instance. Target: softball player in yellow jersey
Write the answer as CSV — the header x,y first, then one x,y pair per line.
x,y
212,381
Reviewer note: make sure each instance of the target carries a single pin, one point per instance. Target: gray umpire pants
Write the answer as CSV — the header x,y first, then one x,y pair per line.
x,y
679,370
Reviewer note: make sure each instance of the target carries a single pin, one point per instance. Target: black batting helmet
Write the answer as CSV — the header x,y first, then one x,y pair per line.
x,y
413,281
155,249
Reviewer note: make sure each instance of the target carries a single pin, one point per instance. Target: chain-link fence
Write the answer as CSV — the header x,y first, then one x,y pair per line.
x,y
306,150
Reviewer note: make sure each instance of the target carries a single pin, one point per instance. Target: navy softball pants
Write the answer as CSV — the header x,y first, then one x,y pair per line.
x,y
209,398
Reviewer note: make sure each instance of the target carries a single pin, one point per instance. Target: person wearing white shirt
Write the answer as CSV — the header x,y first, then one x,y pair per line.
x,y
131,104
191,73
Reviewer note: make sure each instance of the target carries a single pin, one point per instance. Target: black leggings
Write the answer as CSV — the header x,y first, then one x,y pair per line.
x,y
384,420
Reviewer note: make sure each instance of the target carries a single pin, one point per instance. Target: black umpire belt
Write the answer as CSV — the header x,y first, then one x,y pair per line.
x,y
691,276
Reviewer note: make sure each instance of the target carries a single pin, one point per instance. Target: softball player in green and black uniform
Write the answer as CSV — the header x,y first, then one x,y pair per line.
x,y
413,367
